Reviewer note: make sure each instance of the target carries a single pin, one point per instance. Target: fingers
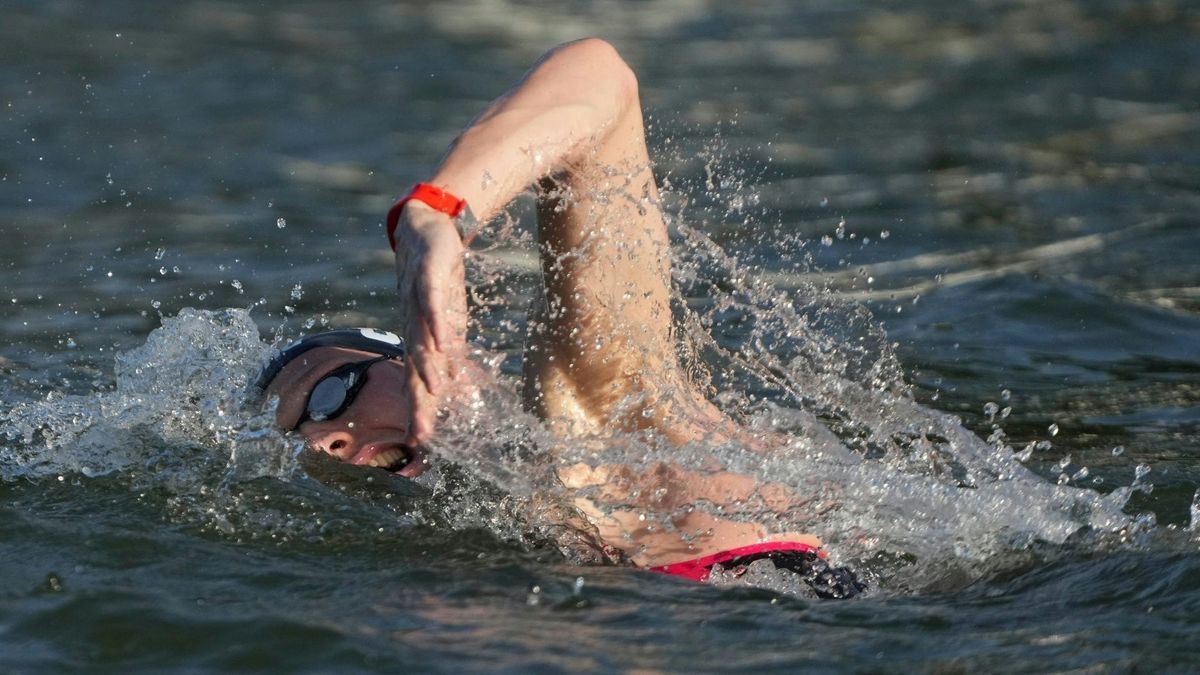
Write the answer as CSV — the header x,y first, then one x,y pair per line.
x,y
431,288
441,294
424,359
424,365
423,408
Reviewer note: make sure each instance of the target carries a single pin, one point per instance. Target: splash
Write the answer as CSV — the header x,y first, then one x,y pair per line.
x,y
865,467
181,421
832,424
184,389
1194,513
870,471
909,479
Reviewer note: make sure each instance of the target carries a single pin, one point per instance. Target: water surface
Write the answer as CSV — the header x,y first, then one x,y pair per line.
x,y
1011,188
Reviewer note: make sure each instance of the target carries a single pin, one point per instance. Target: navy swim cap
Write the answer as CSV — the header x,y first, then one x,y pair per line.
x,y
366,339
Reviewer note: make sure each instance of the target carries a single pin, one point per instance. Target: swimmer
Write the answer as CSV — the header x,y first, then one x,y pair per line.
x,y
601,357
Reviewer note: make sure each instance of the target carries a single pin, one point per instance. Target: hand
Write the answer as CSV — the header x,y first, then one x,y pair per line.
x,y
433,310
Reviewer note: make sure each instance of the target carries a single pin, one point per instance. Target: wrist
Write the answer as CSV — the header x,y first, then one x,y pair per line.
x,y
435,199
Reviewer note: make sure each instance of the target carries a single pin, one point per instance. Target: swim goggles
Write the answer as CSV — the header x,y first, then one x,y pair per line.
x,y
336,391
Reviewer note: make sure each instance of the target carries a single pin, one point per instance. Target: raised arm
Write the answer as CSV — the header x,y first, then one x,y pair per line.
x,y
601,351
601,354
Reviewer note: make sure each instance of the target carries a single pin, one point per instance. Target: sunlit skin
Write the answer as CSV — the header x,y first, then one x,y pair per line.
x,y
603,357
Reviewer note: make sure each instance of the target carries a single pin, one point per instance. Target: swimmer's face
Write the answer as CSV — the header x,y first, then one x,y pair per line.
x,y
371,430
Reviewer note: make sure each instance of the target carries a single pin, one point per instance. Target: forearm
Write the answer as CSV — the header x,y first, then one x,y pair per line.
x,y
564,106
574,100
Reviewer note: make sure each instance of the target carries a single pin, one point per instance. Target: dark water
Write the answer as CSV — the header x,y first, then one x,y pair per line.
x,y
1035,167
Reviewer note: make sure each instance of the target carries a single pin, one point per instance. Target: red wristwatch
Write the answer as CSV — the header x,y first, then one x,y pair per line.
x,y
439,200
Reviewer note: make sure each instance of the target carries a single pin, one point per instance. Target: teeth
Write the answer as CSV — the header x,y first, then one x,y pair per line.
x,y
386,458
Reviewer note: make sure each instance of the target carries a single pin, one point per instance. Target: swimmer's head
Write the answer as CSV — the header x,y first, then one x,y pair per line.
x,y
344,391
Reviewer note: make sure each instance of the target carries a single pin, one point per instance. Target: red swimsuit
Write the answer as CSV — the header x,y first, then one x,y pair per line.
x,y
698,569
802,559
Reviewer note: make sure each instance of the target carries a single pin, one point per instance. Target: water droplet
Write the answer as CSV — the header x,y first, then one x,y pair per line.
x,y
1194,525
1118,451
990,409
158,255
1053,429
53,583
1005,395
280,223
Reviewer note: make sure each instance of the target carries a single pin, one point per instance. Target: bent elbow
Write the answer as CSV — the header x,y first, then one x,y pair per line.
x,y
605,67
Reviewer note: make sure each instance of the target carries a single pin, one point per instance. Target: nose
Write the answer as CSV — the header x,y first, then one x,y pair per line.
x,y
336,442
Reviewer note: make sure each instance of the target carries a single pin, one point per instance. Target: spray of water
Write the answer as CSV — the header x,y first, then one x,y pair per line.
x,y
185,388
837,446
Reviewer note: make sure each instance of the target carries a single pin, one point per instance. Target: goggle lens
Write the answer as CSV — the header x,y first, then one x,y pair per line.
x,y
336,391
328,399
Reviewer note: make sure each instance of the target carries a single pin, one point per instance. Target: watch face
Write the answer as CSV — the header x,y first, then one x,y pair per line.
x,y
468,225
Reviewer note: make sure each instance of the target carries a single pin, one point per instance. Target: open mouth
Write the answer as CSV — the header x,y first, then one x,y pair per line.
x,y
400,460
393,460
